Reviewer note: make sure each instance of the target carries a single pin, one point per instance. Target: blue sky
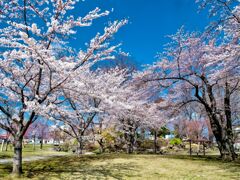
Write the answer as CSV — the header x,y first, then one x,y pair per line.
x,y
150,21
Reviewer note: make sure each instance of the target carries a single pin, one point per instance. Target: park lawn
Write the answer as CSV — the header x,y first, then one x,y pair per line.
x,y
29,151
122,166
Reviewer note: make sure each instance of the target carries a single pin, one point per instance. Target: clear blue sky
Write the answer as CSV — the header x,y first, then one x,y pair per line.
x,y
150,22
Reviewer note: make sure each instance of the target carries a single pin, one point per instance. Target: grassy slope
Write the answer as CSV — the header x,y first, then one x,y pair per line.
x,y
121,166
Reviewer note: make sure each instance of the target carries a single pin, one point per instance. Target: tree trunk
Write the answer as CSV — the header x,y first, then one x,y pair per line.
x,y
101,145
101,148
223,138
80,150
211,138
129,148
221,122
17,159
198,148
155,142
34,141
225,145
226,149
130,143
142,132
128,140
129,134
2,145
228,117
80,147
6,148
41,144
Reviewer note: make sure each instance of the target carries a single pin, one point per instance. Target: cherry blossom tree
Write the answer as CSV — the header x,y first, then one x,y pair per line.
x,y
40,130
122,61
56,135
196,69
225,12
154,120
32,73
134,112
86,100
193,122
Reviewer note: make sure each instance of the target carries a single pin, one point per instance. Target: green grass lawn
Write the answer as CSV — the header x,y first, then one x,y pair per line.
x,y
122,166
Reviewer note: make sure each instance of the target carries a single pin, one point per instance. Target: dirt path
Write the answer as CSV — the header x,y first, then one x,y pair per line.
x,y
25,159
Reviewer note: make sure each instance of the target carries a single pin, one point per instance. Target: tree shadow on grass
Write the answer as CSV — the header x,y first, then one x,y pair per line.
x,y
108,166
5,169
79,168
5,156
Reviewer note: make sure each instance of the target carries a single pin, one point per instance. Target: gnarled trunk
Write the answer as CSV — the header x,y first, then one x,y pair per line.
x,y
226,148
220,121
224,137
225,144
17,159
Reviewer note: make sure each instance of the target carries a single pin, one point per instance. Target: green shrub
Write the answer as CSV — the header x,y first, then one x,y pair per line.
x,y
97,151
175,141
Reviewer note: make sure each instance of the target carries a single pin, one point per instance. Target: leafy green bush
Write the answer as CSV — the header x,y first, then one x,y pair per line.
x,y
97,151
175,141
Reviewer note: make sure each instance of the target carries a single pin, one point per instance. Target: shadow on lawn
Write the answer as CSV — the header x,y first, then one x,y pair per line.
x,y
5,169
106,166
78,168
5,156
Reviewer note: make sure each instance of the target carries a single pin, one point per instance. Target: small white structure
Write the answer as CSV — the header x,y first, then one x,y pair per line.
x,y
169,136
237,141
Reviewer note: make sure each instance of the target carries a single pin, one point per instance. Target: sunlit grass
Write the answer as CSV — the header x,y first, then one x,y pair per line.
x,y
28,150
122,166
